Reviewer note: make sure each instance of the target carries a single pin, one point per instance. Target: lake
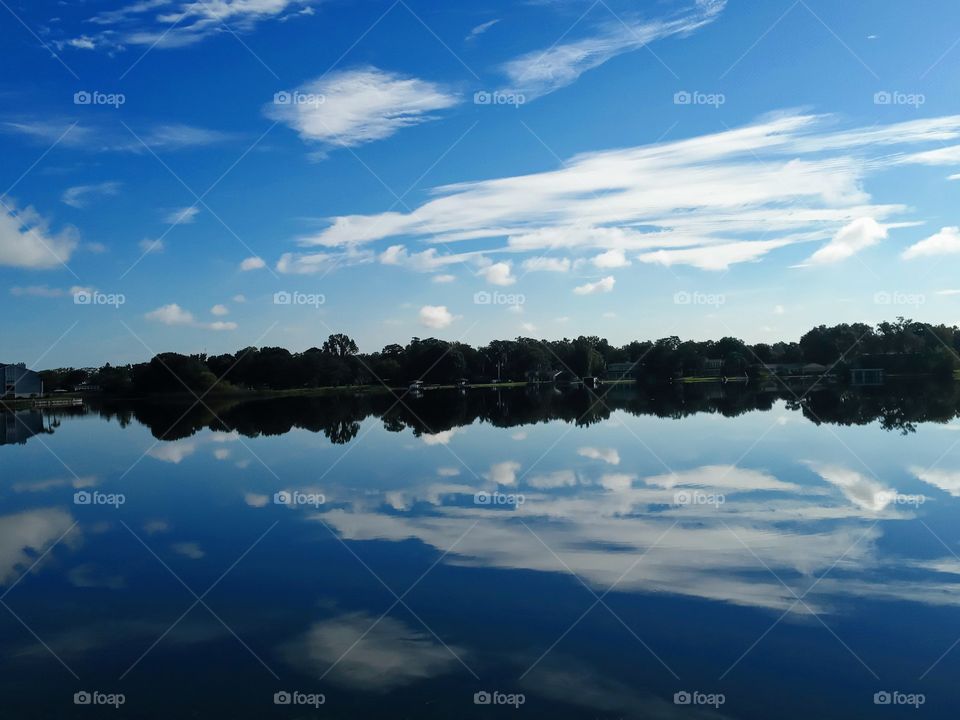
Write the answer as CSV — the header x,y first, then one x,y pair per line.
x,y
678,552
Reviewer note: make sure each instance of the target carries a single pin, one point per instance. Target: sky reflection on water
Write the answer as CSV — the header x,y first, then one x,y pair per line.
x,y
595,568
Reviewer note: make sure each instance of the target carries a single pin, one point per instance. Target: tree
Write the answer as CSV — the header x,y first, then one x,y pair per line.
x,y
340,345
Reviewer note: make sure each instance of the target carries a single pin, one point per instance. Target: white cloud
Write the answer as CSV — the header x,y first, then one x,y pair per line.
x,y
353,107
239,298
441,279
480,29
27,535
726,477
945,242
608,455
171,314
714,257
542,71
148,246
43,291
436,317
498,274
220,310
162,24
528,328
558,479
80,196
369,653
100,137
252,263
504,473
946,480
182,216
173,452
866,493
174,315
546,264
699,201
440,438
256,500
610,259
851,239
603,285
26,240
312,263
189,549
219,326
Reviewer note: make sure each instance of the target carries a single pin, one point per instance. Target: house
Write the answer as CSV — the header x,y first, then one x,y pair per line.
x,y
18,426
621,370
814,369
867,376
781,368
18,382
712,368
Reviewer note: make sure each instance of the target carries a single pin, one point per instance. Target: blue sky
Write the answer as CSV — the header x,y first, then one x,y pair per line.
x,y
203,176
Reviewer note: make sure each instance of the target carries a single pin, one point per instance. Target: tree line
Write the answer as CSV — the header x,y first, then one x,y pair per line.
x,y
902,346
338,416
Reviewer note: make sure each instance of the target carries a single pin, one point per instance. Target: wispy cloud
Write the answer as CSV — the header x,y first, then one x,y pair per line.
x,y
169,24
182,216
80,196
710,201
93,137
480,29
543,71
604,285
357,106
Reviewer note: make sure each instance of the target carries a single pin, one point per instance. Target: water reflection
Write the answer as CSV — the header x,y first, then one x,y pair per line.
x,y
18,426
597,556
338,417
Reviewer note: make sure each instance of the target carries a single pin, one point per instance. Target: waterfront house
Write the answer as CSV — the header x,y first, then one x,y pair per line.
x,y
621,370
19,382
712,368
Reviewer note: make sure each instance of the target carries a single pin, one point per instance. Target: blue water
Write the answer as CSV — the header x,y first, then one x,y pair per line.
x,y
764,563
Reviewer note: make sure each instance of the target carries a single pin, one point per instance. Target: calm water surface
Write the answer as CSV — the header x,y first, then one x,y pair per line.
x,y
592,558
